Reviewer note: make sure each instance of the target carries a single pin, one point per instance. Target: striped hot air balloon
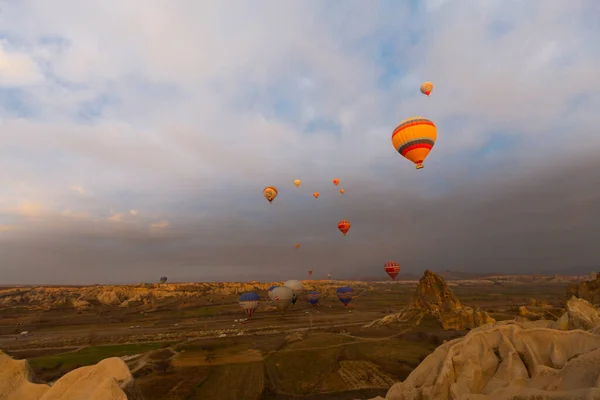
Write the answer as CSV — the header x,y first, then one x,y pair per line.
x,y
345,295
313,297
392,268
344,226
414,138
249,302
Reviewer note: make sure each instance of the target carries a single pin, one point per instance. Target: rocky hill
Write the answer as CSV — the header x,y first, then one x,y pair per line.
x,y
588,290
434,298
85,297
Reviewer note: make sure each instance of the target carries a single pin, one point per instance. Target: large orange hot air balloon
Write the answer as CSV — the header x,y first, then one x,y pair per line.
x,y
342,191
426,88
344,226
297,245
336,181
414,138
316,194
392,268
270,192
297,182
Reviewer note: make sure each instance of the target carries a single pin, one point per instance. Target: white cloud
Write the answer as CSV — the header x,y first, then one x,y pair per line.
x,y
17,69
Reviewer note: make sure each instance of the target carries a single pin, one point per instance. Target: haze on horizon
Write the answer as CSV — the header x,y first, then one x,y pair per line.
x,y
136,138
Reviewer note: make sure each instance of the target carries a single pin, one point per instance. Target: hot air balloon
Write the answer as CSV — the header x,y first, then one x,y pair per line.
x,y
345,295
316,194
163,279
414,138
344,226
270,192
297,182
328,276
296,287
310,272
270,291
249,302
392,268
336,181
282,296
426,88
297,245
342,191
313,297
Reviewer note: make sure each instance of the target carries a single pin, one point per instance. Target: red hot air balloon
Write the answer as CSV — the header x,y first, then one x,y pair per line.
x,y
336,181
344,226
310,272
392,268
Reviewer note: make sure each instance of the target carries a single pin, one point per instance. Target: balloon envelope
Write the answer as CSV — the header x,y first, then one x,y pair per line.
x,y
297,182
392,268
295,285
163,279
282,296
414,138
344,226
336,181
249,302
345,295
313,297
426,88
316,194
270,192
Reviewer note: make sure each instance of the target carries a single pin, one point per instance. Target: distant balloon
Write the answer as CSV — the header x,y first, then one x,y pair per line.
x,y
310,272
297,245
282,296
426,88
297,182
270,192
336,181
249,302
316,194
414,138
328,276
345,295
342,191
344,226
313,297
163,279
392,268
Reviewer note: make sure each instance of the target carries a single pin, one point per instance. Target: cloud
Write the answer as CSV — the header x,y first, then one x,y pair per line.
x,y
170,111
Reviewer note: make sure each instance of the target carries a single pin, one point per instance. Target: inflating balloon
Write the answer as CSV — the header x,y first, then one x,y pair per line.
x,y
282,296
344,226
270,192
392,268
426,88
316,194
414,138
297,182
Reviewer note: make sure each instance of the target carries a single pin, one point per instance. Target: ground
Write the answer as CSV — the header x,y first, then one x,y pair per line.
x,y
321,353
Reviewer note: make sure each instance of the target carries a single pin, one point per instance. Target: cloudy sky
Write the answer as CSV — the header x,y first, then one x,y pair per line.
x,y
136,138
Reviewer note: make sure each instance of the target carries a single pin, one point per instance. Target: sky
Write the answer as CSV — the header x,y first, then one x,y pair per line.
x,y
136,138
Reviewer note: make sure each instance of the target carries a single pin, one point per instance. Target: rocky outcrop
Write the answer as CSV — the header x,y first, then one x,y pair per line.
x,y
434,297
110,379
508,361
587,290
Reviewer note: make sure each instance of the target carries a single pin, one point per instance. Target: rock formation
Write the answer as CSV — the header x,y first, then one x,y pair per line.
x,y
587,290
110,379
508,361
434,297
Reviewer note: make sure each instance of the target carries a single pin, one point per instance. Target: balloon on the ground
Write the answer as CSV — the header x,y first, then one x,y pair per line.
x,y
270,192
249,302
392,268
270,292
282,296
313,297
336,181
414,138
297,182
344,226
345,295
426,88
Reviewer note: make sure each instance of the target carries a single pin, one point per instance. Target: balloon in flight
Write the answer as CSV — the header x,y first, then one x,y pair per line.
x,y
310,272
316,194
342,191
282,296
426,88
336,181
249,302
344,226
313,297
414,138
392,268
270,192
328,276
163,279
345,295
297,182
297,245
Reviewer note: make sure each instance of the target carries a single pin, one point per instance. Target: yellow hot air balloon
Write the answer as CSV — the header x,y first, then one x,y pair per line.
x,y
414,138
297,182
270,192
426,88
297,245
342,191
